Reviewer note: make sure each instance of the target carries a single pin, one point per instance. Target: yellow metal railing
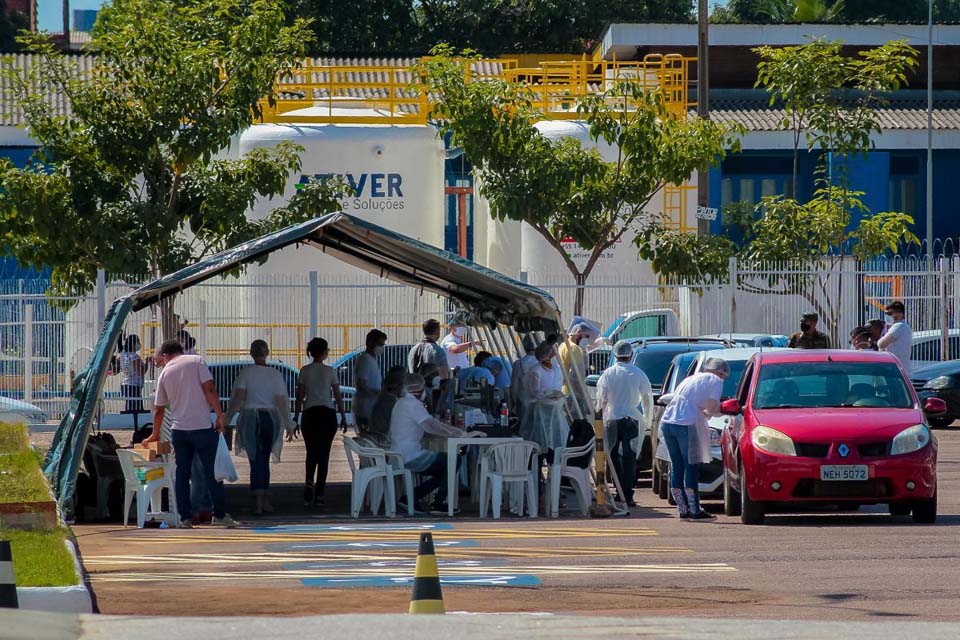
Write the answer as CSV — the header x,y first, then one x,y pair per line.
x,y
675,206
358,94
287,340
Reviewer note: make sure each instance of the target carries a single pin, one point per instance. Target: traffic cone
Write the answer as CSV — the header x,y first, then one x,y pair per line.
x,y
8,584
426,596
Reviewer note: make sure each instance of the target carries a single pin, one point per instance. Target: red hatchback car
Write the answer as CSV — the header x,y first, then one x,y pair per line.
x,y
828,427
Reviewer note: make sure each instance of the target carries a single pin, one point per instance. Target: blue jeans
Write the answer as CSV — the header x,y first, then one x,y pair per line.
x,y
199,495
618,439
432,467
682,473
260,457
200,443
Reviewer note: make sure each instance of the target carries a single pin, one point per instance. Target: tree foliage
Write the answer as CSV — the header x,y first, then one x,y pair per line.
x,y
130,180
562,188
830,100
378,27
846,11
11,23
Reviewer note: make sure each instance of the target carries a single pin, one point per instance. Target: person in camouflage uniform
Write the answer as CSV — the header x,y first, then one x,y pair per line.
x,y
808,337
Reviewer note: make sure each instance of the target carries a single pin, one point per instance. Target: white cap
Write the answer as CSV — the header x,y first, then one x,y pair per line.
x,y
623,349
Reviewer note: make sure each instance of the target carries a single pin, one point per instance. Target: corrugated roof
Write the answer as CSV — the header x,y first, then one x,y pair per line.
x,y
10,113
900,115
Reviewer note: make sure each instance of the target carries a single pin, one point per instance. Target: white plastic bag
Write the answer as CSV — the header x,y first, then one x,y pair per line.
x,y
223,469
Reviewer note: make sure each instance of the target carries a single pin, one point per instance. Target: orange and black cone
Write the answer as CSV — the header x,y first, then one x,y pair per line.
x,y
426,596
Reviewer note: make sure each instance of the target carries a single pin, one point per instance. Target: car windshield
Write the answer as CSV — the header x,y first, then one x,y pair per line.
x,y
831,384
654,364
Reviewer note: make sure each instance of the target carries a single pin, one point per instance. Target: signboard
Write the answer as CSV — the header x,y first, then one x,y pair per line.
x,y
707,213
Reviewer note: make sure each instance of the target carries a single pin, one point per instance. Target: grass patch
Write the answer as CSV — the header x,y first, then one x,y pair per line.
x,y
41,558
13,437
21,479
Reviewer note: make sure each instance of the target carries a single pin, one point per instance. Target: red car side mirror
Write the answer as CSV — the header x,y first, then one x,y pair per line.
x,y
732,407
934,407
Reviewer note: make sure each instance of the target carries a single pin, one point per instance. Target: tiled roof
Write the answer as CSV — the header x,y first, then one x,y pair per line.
x,y
902,115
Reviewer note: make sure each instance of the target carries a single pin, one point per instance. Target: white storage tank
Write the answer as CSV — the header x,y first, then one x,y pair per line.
x,y
395,171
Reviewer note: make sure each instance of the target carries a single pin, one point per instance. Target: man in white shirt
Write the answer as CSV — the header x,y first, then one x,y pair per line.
x,y
456,345
620,391
186,391
684,430
368,379
408,424
898,339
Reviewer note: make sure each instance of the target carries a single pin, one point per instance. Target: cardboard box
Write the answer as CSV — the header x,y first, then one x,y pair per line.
x,y
160,448
148,454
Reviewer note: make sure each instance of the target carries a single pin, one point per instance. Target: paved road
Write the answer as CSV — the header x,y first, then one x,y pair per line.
x,y
859,566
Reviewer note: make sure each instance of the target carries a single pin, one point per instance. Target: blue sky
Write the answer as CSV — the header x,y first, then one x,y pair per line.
x,y
50,12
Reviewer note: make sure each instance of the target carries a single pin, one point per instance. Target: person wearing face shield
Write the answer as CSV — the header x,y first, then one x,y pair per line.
x,y
684,430
518,382
367,378
621,390
408,424
546,422
573,358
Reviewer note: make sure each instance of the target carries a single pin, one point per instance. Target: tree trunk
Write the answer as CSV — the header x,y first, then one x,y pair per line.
x,y
581,280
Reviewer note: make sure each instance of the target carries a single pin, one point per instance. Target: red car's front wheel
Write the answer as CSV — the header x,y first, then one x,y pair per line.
x,y
750,512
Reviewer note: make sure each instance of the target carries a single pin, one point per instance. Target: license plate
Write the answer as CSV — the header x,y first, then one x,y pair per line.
x,y
842,472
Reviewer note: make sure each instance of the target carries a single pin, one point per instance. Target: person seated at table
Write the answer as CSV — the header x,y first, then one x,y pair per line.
x,y
501,377
379,428
408,424
472,376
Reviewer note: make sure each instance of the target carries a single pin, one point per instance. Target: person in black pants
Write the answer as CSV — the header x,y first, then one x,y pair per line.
x,y
318,395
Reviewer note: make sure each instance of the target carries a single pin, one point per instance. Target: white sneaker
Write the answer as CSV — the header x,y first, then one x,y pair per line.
x,y
226,521
185,524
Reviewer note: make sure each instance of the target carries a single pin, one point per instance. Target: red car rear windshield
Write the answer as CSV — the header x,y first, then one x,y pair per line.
x,y
831,384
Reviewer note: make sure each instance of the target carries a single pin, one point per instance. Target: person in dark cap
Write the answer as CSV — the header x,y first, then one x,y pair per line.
x,y
808,337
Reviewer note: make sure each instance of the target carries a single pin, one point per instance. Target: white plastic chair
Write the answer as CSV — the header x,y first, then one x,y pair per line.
x,y
398,471
149,494
580,478
509,462
369,470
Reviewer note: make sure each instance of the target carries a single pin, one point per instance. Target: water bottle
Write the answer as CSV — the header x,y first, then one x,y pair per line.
x,y
504,415
141,475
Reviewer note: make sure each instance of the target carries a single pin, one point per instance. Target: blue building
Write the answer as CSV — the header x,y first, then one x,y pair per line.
x,y
893,175
83,19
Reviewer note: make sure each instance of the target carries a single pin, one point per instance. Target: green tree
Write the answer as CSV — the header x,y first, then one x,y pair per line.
x,y
129,181
361,26
563,189
829,100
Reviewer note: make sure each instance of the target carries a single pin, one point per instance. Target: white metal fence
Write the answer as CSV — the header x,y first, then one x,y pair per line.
x,y
45,341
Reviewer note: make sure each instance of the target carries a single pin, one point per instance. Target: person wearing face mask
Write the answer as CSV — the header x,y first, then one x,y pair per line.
x,y
518,391
367,378
899,337
546,422
573,358
684,430
428,351
808,337
456,345
379,430
408,424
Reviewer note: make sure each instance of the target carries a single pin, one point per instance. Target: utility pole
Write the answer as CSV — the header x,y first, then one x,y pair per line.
x,y
66,25
703,108
930,255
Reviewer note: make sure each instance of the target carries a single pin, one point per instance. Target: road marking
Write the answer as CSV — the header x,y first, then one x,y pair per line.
x,y
259,536
407,581
375,554
377,572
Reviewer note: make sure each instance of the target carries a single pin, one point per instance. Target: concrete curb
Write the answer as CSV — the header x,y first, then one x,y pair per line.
x,y
46,626
73,599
